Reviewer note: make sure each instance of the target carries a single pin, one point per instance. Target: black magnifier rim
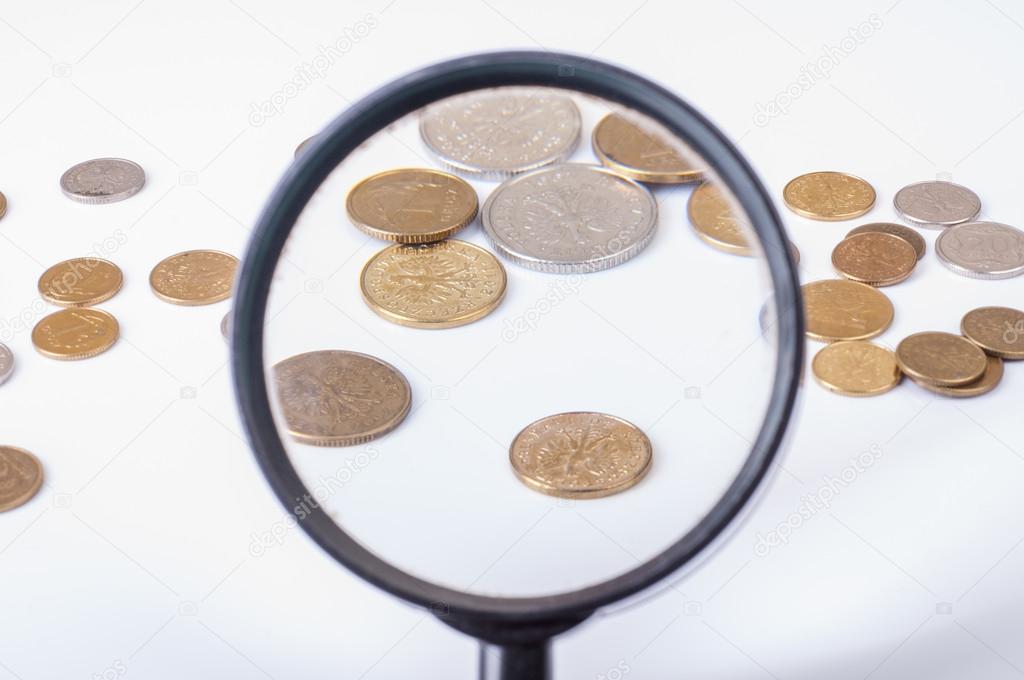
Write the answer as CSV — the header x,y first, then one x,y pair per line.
x,y
384,107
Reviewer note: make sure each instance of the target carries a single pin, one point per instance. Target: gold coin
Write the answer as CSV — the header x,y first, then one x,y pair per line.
x,y
3,204
80,282
339,398
194,277
986,383
21,476
856,368
874,258
436,285
412,205
75,333
997,330
580,455
829,196
839,309
941,359
641,154
905,233
712,218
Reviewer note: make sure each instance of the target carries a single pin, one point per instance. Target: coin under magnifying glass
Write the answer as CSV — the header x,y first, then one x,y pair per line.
x,y
982,250
986,383
103,180
936,204
829,196
997,330
21,477
194,277
714,222
874,258
81,281
3,204
840,309
905,233
941,359
6,363
75,333
641,152
856,368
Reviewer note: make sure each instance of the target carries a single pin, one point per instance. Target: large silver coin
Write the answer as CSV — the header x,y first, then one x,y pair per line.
x,y
936,204
103,180
570,218
6,363
982,250
494,134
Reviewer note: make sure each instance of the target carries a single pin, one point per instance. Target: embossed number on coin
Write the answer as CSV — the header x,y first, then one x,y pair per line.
x,y
982,250
75,333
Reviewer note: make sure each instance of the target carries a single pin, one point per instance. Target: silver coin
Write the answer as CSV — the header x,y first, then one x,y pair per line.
x,y
982,250
936,204
103,180
225,326
494,134
6,363
570,218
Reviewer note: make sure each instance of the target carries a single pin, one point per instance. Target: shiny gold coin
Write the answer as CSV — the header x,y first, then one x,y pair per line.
x,y
580,455
339,398
640,153
874,258
941,359
906,233
997,330
437,285
194,277
21,477
829,196
839,309
714,222
80,282
856,368
3,204
75,333
412,205
986,383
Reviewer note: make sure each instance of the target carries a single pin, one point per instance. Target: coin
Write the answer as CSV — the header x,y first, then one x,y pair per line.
x,y
496,133
225,326
437,285
75,333
194,277
829,196
21,477
103,180
714,221
874,258
936,204
941,359
580,455
80,282
856,368
303,145
982,250
641,151
6,363
339,398
997,330
839,309
986,383
3,204
411,205
570,218
905,233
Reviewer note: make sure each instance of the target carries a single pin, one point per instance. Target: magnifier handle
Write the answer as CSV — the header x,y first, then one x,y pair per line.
x,y
515,662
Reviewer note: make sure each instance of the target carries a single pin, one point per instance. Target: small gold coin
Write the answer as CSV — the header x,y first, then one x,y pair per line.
x,y
941,359
339,398
714,221
906,233
80,282
986,383
856,368
580,455
829,196
640,153
21,476
997,330
436,285
412,205
194,277
3,204
839,309
874,258
75,333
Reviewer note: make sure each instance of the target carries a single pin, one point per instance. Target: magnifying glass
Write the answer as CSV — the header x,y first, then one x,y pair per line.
x,y
496,343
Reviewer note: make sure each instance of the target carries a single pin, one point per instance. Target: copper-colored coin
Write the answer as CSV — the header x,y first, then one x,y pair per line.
x,y
997,330
80,282
906,233
21,476
839,309
874,258
194,277
856,368
580,455
641,151
3,204
412,205
941,359
339,398
75,333
986,383
829,196
714,222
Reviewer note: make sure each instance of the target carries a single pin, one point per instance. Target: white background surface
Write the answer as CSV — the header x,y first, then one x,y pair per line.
x,y
137,558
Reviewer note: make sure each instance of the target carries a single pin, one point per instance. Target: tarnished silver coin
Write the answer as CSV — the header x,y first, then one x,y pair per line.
x,y
936,204
497,133
982,250
570,218
103,180
6,363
